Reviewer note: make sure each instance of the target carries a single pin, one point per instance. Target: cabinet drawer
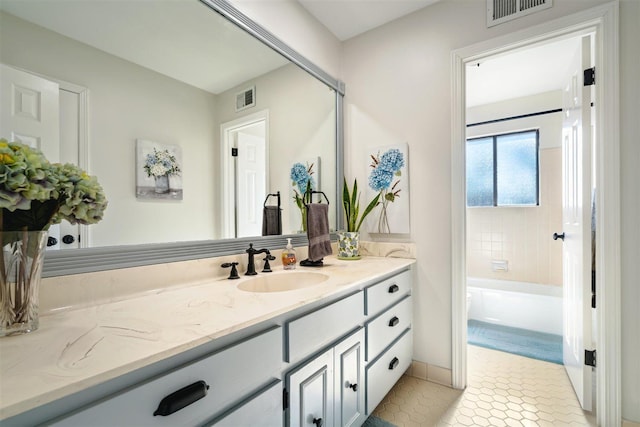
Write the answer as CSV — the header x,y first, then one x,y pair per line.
x,y
385,293
231,374
263,410
387,327
319,328
387,370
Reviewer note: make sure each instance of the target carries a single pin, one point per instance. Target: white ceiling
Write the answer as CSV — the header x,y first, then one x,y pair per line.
x,y
348,18
526,72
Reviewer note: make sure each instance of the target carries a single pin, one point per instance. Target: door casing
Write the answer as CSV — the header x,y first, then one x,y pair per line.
x,y
603,21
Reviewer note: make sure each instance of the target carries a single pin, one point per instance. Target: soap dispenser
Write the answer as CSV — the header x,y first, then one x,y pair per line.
x,y
289,256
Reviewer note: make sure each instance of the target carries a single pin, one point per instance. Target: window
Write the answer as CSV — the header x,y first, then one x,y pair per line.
x,y
502,170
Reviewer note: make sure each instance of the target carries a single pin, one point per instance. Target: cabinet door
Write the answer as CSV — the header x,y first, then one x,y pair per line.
x,y
311,393
349,380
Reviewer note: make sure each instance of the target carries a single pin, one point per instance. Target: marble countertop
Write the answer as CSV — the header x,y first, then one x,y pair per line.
x,y
76,349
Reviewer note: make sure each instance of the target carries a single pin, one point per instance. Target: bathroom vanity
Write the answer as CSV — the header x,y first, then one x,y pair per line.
x,y
215,354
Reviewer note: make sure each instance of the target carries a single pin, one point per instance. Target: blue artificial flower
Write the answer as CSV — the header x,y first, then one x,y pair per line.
x,y
380,179
392,161
300,177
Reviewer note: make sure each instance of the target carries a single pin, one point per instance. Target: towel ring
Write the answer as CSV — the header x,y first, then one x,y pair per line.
x,y
272,195
320,192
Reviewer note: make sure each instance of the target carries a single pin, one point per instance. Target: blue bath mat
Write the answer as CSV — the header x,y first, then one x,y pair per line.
x,y
373,421
536,345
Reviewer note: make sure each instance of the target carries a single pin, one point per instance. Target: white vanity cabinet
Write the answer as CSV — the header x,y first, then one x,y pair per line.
x,y
389,336
327,391
262,410
192,394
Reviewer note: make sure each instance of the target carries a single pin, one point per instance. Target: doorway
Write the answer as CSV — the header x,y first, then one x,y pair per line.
x,y
602,22
245,146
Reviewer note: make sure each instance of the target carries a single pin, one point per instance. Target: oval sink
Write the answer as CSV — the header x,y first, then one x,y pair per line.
x,y
289,281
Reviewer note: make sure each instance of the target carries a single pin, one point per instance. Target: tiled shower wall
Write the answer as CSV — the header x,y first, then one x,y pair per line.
x,y
521,235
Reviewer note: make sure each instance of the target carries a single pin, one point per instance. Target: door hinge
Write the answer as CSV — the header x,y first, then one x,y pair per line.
x,y
285,399
234,152
589,76
590,358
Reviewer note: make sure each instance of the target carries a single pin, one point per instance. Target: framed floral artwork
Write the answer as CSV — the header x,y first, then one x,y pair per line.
x,y
158,170
302,174
388,175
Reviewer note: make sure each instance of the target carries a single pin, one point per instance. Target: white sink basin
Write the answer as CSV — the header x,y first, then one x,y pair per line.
x,y
286,281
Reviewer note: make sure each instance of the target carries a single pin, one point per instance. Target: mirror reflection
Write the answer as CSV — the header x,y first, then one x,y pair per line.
x,y
133,80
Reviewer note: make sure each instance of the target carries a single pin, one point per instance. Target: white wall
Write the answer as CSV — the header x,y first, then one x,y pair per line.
x,y
630,212
127,102
521,235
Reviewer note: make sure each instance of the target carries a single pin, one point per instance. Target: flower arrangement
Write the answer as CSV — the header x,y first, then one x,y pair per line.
x,y
303,183
35,193
161,163
386,168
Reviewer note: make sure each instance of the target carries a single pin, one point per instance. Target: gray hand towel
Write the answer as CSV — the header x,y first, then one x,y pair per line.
x,y
271,221
318,231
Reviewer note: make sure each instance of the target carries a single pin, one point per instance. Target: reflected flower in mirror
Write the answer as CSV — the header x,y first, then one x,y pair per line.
x,y
303,183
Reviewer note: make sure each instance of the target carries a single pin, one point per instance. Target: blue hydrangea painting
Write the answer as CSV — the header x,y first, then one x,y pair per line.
x,y
388,177
158,170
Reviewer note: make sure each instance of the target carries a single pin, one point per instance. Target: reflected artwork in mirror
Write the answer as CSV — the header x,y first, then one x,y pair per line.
x,y
240,104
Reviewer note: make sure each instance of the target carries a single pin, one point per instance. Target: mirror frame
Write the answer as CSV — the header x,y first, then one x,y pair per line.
x,y
86,260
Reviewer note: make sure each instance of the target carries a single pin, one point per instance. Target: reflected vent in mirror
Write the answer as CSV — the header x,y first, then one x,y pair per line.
x,y
499,11
246,98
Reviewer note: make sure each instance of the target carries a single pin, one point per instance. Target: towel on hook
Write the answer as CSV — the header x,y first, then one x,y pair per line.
x,y
318,231
271,221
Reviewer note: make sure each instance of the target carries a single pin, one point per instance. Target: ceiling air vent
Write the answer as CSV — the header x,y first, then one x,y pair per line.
x,y
246,98
499,11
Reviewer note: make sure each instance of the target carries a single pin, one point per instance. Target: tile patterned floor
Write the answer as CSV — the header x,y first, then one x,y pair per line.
x,y
503,390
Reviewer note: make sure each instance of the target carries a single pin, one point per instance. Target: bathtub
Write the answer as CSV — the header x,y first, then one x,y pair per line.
x,y
519,304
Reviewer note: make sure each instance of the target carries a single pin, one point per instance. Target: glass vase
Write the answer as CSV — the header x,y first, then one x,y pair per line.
x,y
20,275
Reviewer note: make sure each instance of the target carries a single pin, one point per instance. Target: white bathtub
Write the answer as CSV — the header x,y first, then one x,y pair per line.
x,y
519,304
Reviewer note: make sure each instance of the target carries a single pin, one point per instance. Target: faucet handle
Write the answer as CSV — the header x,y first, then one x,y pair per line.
x,y
267,267
234,270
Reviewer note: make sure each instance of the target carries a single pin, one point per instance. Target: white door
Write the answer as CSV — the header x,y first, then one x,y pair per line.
x,y
576,218
251,180
30,114
69,147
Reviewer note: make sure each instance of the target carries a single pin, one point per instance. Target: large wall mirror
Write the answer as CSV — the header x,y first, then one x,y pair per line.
x,y
234,106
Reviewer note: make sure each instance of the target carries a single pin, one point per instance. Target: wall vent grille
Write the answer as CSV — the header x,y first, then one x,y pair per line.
x,y
499,11
246,98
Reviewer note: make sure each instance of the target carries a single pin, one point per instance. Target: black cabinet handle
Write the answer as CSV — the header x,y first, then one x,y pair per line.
x,y
181,398
52,241
317,422
68,239
394,321
557,236
353,387
394,363
393,288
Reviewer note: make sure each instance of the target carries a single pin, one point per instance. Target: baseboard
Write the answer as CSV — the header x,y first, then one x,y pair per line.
x,y
432,373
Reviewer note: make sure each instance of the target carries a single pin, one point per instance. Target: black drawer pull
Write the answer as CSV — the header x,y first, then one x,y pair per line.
x,y
394,363
181,398
353,387
317,422
393,288
394,321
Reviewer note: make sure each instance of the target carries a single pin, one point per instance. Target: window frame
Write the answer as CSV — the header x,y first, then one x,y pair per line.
x,y
494,138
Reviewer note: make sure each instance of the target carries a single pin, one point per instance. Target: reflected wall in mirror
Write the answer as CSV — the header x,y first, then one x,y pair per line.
x,y
171,72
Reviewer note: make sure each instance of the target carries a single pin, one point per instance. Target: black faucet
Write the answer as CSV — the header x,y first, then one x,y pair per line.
x,y
251,266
